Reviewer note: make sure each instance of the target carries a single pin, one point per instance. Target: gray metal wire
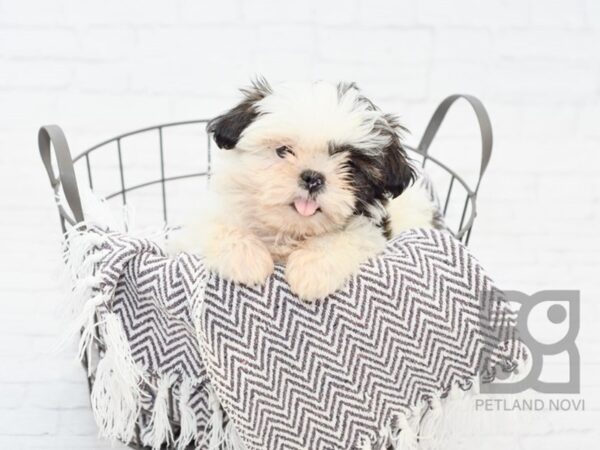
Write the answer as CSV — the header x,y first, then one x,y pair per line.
x,y
66,181
461,232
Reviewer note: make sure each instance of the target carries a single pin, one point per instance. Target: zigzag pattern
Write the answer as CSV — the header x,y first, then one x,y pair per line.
x,y
416,320
151,299
152,304
410,325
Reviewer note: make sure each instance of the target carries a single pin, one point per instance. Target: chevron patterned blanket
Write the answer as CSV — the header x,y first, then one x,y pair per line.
x,y
194,361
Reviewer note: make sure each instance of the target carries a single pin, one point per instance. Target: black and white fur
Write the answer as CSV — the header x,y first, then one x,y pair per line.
x,y
306,180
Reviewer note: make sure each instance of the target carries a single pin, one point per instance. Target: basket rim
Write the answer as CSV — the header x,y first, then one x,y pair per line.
x,y
66,181
471,194
138,131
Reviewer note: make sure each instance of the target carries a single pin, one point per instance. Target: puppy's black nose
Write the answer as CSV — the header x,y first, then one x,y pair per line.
x,y
312,181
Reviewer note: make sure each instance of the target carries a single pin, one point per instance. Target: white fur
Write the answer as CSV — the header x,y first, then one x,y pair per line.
x,y
322,265
412,209
253,224
313,114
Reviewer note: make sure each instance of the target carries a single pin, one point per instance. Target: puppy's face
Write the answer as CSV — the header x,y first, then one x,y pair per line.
x,y
305,158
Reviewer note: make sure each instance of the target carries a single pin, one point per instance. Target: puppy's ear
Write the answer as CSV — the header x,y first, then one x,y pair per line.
x,y
398,174
227,128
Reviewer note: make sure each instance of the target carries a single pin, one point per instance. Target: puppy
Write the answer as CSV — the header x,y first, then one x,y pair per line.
x,y
307,176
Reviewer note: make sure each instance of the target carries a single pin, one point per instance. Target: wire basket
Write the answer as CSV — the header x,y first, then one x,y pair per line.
x,y
65,184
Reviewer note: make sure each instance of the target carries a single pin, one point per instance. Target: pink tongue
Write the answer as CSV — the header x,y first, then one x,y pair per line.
x,y
305,207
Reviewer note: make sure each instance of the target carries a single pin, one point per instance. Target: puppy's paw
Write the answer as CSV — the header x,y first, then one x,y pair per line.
x,y
314,274
239,257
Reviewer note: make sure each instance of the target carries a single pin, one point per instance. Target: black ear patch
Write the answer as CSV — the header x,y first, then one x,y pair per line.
x,y
227,128
398,174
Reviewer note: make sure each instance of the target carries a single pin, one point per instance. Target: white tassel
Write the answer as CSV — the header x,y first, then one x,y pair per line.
x,y
429,428
215,434
522,370
187,417
116,393
160,431
82,291
233,441
406,438
87,331
84,323
385,436
97,210
458,414
82,252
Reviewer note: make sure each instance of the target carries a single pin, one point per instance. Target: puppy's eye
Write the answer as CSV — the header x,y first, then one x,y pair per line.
x,y
283,151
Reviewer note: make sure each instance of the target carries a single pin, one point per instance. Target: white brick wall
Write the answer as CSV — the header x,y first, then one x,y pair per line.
x,y
98,68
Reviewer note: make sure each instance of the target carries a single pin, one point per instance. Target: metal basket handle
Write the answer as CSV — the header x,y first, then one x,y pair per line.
x,y
485,127
53,134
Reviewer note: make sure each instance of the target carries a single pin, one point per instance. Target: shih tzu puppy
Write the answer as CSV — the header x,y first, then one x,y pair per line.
x,y
308,178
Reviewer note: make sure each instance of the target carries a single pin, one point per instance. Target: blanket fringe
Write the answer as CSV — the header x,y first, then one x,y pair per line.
x,y
440,422
187,416
79,256
233,441
430,423
85,324
97,210
160,431
83,251
215,433
428,426
457,410
406,438
116,393
218,435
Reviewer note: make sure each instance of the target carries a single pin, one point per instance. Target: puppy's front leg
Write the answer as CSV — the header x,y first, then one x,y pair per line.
x,y
322,264
237,254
